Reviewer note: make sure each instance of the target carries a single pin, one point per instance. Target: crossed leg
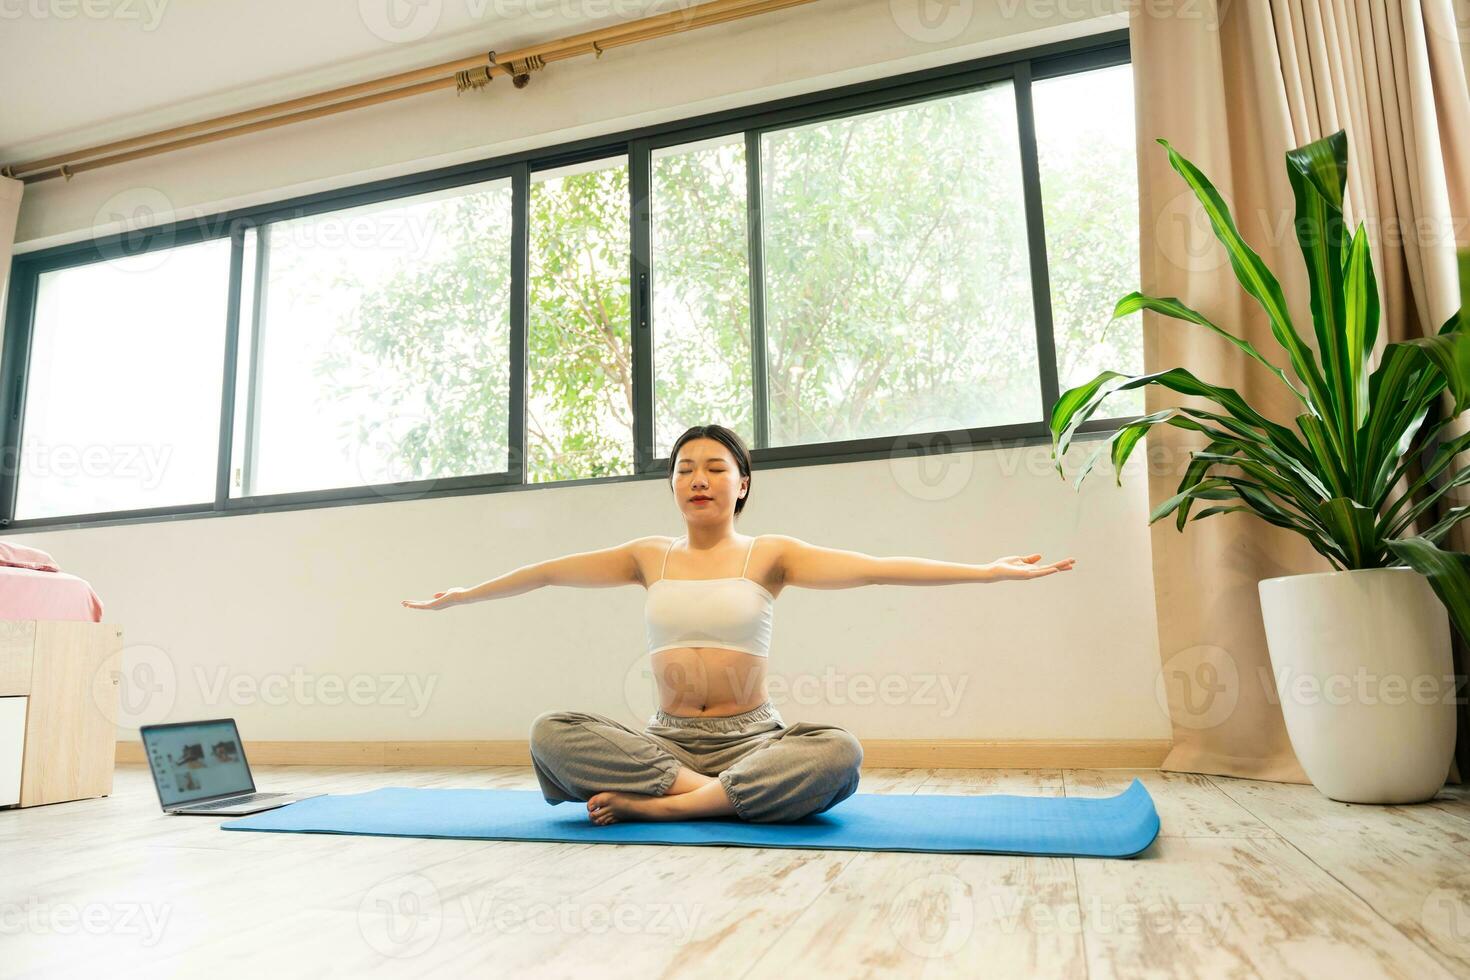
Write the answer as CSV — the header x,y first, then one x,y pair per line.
x,y
708,799
578,755
803,769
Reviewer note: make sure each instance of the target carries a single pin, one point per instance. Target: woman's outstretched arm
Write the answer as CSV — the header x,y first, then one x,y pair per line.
x,y
603,568
810,566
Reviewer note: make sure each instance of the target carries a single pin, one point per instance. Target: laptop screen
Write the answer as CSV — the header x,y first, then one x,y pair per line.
x,y
196,761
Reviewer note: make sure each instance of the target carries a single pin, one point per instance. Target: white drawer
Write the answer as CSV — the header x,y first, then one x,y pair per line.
x,y
12,748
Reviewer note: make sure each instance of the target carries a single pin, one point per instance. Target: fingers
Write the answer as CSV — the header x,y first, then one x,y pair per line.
x,y
1035,571
1061,566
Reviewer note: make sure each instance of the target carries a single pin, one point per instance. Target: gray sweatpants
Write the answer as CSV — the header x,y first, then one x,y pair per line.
x,y
770,771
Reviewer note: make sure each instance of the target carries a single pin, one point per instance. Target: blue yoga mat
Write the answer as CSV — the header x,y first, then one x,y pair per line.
x,y
1112,826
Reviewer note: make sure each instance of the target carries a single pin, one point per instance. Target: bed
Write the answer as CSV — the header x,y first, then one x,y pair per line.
x,y
59,674
29,594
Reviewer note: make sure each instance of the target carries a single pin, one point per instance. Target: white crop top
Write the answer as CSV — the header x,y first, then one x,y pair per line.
x,y
727,613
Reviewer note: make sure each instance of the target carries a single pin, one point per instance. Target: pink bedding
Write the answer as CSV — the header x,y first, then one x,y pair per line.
x,y
28,594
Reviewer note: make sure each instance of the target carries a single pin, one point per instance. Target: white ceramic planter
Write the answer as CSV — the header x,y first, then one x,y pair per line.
x,y
1363,668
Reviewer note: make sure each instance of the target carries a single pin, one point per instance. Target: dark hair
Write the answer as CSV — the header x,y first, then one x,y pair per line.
x,y
731,441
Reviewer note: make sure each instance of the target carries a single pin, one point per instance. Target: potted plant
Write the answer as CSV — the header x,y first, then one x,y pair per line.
x,y
1376,721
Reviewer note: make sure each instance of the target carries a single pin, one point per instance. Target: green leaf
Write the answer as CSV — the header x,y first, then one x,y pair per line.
x,y
1360,328
1211,489
1071,405
1318,174
1319,437
1255,278
1399,391
1353,527
1463,265
1172,307
1128,434
1450,355
1448,573
1454,516
1272,480
1267,510
1438,463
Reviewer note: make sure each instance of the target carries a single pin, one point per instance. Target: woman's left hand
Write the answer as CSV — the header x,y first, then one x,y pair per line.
x,y
1024,566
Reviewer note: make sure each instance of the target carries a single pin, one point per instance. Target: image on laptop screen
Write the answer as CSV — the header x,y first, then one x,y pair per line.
x,y
197,761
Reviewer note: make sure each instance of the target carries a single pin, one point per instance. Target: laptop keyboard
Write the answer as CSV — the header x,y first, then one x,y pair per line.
x,y
236,801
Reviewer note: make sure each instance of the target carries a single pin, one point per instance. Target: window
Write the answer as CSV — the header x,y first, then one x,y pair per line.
x,y
701,289
824,274
579,410
381,350
1089,188
898,292
122,407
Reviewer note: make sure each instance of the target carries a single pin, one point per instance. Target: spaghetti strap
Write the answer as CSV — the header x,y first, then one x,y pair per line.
x,y
747,557
662,571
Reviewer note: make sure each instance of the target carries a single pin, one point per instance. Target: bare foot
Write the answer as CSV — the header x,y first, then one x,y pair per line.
x,y
707,801
611,807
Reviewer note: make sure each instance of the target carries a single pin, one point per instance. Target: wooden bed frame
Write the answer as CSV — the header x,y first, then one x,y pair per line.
x,y
58,710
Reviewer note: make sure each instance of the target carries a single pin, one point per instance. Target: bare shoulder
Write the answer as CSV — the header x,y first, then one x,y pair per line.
x,y
776,548
648,552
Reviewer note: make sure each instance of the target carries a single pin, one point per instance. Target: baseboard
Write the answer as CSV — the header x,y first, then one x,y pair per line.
x,y
880,753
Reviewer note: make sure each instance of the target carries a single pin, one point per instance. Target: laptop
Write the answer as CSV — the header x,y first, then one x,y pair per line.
x,y
200,767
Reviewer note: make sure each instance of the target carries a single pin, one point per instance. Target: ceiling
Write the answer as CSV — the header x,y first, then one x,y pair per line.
x,y
75,74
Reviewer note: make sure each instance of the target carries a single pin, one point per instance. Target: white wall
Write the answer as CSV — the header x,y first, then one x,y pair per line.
x,y
275,618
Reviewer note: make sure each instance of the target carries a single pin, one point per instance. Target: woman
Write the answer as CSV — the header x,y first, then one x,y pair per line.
x,y
716,746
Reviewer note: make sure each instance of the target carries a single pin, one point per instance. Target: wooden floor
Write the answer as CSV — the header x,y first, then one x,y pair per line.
x,y
1246,879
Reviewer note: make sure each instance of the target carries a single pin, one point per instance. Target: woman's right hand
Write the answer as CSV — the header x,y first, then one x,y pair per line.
x,y
441,600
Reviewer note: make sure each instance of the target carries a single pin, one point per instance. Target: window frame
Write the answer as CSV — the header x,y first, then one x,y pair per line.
x,y
1019,67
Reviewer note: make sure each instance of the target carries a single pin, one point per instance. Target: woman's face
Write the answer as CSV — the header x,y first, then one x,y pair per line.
x,y
705,468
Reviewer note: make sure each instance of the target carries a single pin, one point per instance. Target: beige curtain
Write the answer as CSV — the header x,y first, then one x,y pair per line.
x,y
1232,85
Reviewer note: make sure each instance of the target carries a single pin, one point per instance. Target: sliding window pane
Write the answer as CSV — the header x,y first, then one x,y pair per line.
x,y
381,353
898,289
1089,186
579,404
123,401
701,290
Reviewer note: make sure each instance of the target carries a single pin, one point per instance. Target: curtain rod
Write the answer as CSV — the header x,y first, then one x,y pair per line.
x,y
466,73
